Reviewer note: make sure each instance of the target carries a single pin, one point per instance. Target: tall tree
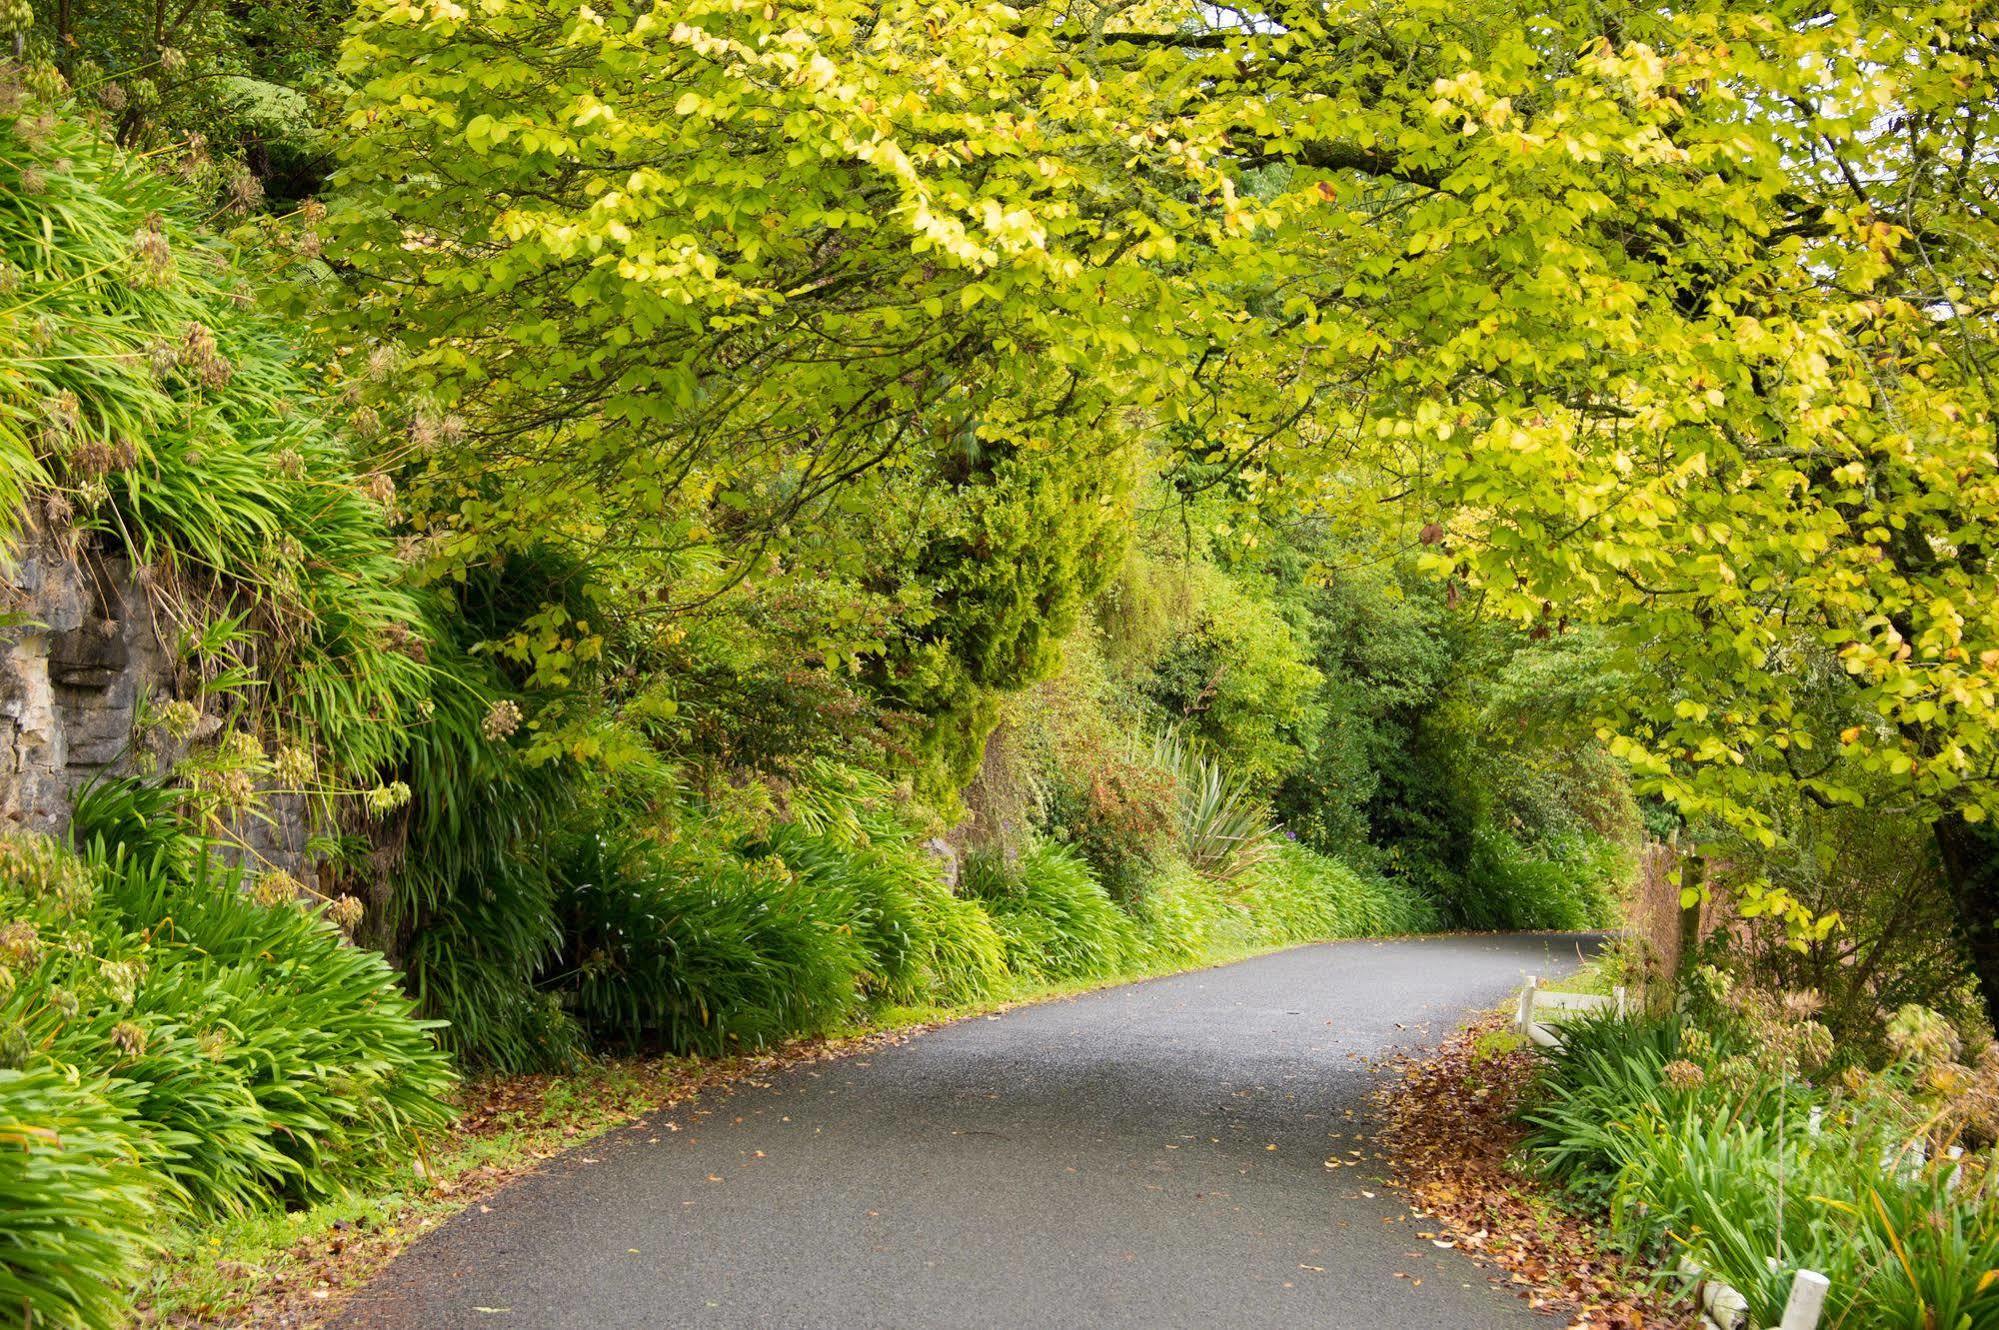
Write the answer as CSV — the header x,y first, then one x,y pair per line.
x,y
1676,318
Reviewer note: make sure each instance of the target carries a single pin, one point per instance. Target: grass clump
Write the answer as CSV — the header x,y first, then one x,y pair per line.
x,y
1689,1135
1056,921
172,1043
1225,829
1185,919
698,952
77,1205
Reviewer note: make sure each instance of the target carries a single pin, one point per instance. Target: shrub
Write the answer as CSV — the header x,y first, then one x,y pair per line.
x,y
1185,919
77,1208
1225,829
1236,675
1056,921
699,952
1119,815
239,1049
872,887
1688,1137
1297,895
1896,943
1567,885
923,943
470,895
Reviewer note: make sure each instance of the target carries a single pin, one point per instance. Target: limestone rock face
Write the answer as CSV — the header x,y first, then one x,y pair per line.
x,y
74,662
82,650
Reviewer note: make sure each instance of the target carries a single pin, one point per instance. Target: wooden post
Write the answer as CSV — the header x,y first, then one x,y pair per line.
x,y
1807,1302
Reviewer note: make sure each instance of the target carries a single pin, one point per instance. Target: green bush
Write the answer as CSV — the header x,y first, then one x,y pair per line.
x,y
1119,815
1236,675
963,953
234,1043
1185,919
1690,1141
700,952
1056,921
471,898
77,1207
1300,896
1567,885
923,943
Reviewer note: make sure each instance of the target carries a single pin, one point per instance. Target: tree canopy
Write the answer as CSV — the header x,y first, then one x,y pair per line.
x,y
1676,318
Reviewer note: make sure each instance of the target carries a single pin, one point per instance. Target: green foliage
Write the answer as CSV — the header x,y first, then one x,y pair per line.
x,y
1025,542
1056,920
1225,830
240,95
1236,678
471,899
1185,919
923,943
219,1053
1567,886
1298,896
77,1209
147,409
700,952
1622,316
1894,944
1688,1138
1118,814
849,836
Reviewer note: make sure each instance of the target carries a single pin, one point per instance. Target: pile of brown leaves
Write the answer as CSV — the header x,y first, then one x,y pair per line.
x,y
1449,1132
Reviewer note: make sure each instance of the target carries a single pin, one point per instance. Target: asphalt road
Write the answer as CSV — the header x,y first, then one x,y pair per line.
x,y
1149,1156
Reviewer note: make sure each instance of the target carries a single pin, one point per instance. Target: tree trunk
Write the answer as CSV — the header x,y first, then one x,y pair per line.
x,y
1970,852
1692,869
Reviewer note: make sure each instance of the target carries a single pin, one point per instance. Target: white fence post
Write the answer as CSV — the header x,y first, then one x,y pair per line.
x,y
1527,1005
1807,1302
1723,1306
1623,1005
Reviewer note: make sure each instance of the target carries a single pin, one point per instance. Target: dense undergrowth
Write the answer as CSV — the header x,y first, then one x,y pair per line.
x,y
178,1046
1727,1140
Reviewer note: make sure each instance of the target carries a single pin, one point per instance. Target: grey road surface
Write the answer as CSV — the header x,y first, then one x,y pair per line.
x,y
1149,1156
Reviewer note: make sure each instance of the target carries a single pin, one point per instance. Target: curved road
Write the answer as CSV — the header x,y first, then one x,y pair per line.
x,y
1148,1156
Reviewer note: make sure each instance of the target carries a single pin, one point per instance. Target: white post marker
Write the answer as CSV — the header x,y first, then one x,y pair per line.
x,y
1527,1006
1807,1302
1723,1307
1621,1004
